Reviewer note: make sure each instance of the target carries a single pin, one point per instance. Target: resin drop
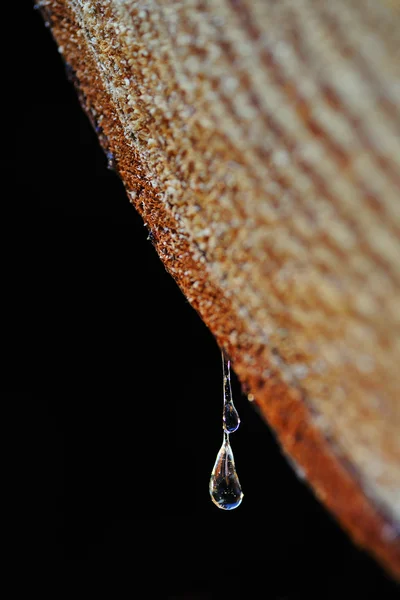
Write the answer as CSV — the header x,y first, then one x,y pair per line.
x,y
230,417
225,488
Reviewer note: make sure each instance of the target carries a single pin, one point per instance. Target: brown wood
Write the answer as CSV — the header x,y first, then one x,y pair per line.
x,y
260,142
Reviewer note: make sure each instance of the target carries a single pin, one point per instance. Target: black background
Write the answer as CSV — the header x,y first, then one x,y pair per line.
x,y
132,378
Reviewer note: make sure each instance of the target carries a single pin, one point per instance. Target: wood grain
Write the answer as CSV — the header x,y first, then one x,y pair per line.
x,y
260,141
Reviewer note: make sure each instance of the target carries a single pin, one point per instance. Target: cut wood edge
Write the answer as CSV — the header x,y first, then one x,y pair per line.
x,y
283,407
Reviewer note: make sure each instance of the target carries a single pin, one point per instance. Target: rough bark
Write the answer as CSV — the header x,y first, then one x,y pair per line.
x,y
260,141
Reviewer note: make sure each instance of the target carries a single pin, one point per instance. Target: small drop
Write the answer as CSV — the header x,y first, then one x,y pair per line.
x,y
230,417
225,490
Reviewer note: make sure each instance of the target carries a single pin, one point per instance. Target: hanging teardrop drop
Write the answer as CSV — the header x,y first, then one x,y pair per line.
x,y
230,418
225,489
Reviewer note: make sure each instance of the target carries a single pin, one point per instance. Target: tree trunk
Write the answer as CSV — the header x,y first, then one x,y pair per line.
x,y
260,142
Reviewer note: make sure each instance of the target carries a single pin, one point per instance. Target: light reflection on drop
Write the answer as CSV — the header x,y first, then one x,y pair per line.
x,y
225,487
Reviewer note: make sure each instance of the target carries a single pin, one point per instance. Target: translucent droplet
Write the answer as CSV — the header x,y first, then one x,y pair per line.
x,y
230,417
225,488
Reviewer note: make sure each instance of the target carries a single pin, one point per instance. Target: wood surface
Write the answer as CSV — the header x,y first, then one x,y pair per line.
x,y
260,142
